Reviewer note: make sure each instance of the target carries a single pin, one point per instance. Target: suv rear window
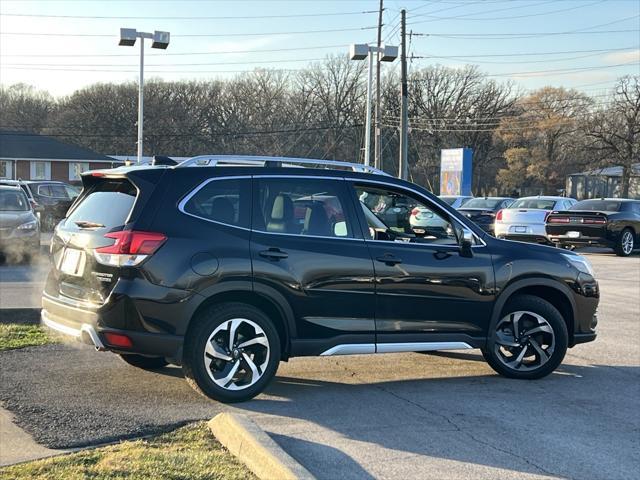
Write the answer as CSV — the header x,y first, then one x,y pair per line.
x,y
108,203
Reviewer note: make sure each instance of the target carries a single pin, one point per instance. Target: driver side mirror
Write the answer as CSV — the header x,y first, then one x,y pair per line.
x,y
466,242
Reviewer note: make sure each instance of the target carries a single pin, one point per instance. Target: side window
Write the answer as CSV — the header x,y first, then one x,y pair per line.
x,y
225,201
44,190
312,207
395,216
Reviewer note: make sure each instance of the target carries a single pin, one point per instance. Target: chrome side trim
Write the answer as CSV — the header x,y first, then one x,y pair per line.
x,y
73,332
420,347
350,349
368,348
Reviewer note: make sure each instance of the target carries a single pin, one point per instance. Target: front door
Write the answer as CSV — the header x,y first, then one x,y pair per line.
x,y
305,246
426,291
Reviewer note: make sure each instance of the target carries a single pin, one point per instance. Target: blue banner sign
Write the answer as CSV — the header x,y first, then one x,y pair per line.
x,y
455,171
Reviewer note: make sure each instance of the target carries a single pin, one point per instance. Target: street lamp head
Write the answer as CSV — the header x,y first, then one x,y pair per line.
x,y
389,53
128,37
358,51
161,40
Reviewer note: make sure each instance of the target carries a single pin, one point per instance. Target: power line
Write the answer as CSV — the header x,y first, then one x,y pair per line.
x,y
499,36
527,62
241,17
469,17
260,62
521,54
243,34
203,134
136,55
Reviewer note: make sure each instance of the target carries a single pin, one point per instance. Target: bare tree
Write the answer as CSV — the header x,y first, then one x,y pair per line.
x,y
614,130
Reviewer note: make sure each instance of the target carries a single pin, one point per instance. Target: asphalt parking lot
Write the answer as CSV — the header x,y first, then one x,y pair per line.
x,y
387,416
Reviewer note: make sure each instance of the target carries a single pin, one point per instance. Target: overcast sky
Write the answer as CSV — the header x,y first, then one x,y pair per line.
x,y
585,44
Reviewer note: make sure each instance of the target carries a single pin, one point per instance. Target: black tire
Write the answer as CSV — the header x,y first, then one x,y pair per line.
x,y
621,249
194,366
539,306
145,363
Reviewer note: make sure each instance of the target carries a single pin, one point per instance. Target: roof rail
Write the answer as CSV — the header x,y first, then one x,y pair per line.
x,y
263,161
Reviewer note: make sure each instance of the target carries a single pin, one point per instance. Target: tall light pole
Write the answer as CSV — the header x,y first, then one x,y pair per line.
x,y
362,51
128,38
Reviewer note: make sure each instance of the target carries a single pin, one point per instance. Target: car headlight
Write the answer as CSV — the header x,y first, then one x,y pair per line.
x,y
581,263
32,225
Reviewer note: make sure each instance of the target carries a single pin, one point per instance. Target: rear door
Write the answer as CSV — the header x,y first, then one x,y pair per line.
x,y
306,246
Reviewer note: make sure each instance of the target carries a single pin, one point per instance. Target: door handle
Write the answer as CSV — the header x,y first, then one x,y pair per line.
x,y
273,254
389,259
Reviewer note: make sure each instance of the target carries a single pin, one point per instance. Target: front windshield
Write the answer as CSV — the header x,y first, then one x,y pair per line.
x,y
11,201
534,203
489,203
449,200
597,205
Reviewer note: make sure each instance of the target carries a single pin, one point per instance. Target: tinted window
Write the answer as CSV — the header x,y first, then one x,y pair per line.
x,y
13,201
534,203
226,201
107,203
597,205
44,190
302,207
403,216
488,203
58,191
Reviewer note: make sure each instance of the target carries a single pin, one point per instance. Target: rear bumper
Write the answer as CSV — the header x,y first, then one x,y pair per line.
x,y
87,326
580,241
534,233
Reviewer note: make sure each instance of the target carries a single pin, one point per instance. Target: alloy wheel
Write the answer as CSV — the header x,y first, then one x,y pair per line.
x,y
524,341
627,242
236,354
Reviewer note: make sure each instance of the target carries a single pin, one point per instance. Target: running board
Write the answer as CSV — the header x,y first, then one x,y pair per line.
x,y
368,348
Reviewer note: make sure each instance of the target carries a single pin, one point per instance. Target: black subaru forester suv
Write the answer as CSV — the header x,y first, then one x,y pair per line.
x,y
228,265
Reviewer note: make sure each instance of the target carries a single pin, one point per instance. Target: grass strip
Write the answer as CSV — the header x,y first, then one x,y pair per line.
x,y
20,335
190,452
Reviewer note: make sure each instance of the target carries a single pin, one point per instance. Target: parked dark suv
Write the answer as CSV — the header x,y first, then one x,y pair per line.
x,y
228,265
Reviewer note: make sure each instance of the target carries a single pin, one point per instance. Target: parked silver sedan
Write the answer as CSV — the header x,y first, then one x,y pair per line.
x,y
524,220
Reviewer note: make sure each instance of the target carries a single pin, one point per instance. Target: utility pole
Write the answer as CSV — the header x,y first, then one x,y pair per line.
x,y
403,170
377,146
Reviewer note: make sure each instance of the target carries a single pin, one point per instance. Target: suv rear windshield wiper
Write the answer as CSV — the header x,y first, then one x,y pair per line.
x,y
88,224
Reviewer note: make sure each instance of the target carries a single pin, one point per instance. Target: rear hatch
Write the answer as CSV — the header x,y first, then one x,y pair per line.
x,y
577,223
105,211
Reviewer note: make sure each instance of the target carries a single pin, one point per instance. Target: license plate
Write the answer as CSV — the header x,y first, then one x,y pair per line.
x,y
521,229
72,262
573,234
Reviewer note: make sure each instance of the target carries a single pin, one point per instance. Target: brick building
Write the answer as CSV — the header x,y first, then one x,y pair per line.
x,y
29,156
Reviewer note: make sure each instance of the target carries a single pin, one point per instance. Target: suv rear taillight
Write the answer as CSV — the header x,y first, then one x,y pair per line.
x,y
499,216
130,248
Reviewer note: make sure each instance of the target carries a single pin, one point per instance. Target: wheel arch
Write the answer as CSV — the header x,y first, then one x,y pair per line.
x,y
554,292
268,302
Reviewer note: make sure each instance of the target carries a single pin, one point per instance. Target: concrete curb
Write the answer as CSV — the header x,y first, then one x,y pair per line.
x,y
244,439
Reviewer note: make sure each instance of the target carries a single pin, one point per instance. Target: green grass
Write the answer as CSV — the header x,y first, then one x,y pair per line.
x,y
190,452
20,335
